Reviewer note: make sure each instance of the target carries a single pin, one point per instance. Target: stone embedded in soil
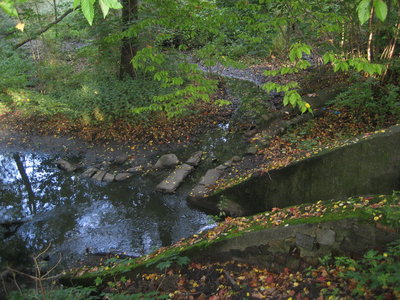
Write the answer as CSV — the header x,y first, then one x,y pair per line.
x,y
89,172
252,150
66,166
122,176
228,163
120,160
250,132
194,160
167,161
99,175
221,167
236,158
109,177
172,182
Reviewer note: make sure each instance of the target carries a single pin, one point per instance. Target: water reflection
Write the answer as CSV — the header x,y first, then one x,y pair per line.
x,y
78,215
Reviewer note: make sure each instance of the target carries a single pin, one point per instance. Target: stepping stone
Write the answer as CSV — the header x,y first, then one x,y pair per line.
x,y
172,182
195,159
211,177
108,177
99,175
123,176
89,172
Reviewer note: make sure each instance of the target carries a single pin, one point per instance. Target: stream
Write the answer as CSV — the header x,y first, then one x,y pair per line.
x,y
45,205
78,215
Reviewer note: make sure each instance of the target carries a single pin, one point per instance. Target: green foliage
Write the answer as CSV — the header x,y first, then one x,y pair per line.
x,y
14,69
358,64
87,7
72,293
292,95
372,97
8,7
389,214
169,260
181,82
364,10
139,296
375,272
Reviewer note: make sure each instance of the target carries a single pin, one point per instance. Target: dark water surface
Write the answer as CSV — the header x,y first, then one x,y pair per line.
x,y
77,215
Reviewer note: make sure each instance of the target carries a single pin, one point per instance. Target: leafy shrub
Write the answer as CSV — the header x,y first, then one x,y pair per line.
x,y
375,272
371,97
14,69
73,293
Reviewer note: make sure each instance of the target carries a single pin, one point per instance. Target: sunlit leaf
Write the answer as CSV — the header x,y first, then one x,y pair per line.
x,y
364,11
381,9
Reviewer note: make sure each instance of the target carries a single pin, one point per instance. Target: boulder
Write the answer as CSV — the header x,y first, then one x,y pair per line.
x,y
194,160
167,161
66,166
120,159
172,182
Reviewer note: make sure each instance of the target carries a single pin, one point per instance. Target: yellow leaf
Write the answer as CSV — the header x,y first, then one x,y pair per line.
x,y
20,26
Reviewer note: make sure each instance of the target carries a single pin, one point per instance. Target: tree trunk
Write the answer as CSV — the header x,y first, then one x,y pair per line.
x,y
129,44
371,36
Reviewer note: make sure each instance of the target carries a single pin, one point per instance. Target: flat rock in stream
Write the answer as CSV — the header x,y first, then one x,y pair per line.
x,y
122,176
172,182
209,179
99,175
108,177
89,172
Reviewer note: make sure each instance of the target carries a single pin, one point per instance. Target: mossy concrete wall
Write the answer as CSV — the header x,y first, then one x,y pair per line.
x,y
368,166
298,246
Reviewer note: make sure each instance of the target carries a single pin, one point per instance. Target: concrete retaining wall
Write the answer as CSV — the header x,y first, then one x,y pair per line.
x,y
369,166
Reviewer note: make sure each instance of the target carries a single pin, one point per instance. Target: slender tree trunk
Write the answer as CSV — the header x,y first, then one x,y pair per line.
x,y
371,36
55,14
129,44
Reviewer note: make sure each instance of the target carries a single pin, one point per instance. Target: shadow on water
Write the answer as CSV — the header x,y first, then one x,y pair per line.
x,y
77,215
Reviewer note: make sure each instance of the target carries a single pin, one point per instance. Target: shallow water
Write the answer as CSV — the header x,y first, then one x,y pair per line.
x,y
77,215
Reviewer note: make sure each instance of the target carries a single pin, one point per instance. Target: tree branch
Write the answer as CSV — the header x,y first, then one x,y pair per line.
x,y
43,30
